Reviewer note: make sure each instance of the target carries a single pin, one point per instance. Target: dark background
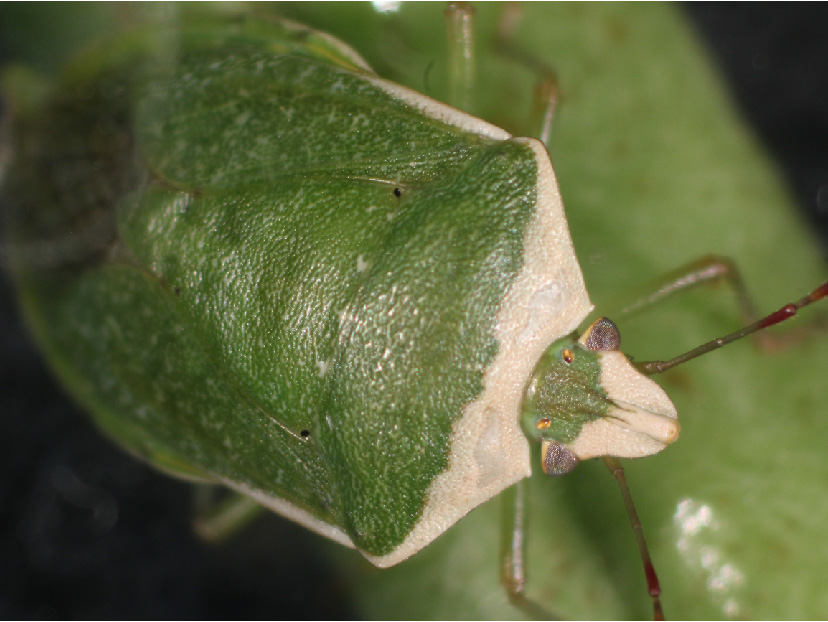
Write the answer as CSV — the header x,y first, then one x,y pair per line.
x,y
87,532
775,59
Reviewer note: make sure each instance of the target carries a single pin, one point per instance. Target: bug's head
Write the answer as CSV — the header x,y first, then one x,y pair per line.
x,y
586,399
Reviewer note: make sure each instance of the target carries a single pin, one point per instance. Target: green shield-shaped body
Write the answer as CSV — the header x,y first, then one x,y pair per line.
x,y
274,270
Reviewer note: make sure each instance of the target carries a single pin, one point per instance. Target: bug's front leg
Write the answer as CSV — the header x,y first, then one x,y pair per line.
x,y
706,270
546,91
460,32
513,552
463,68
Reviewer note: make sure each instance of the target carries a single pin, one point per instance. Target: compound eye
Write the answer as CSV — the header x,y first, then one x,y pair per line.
x,y
601,336
557,458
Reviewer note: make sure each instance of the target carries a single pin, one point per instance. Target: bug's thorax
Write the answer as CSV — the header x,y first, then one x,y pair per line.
x,y
585,399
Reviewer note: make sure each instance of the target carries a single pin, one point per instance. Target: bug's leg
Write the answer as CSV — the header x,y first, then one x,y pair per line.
x,y
545,95
780,315
709,269
217,519
706,269
512,541
460,31
513,552
544,102
653,587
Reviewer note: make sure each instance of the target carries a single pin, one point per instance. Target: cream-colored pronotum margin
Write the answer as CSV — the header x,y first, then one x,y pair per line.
x,y
548,300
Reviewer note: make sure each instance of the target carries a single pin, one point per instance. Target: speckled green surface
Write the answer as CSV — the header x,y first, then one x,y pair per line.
x,y
298,282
